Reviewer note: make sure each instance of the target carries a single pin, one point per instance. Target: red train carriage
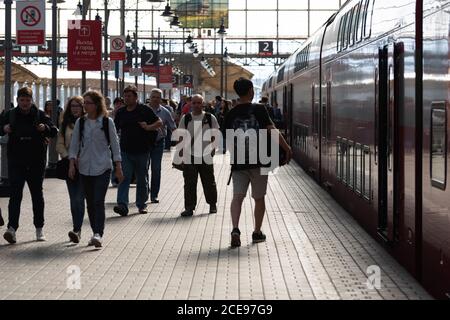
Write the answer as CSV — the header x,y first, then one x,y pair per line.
x,y
367,100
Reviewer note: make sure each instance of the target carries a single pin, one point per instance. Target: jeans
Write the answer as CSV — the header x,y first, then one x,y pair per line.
x,y
136,163
190,174
156,154
76,194
95,188
33,175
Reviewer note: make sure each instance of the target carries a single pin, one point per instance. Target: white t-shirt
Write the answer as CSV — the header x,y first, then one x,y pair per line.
x,y
197,122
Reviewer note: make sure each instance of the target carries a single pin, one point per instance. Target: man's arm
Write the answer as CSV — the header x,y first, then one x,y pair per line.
x,y
50,129
281,141
4,123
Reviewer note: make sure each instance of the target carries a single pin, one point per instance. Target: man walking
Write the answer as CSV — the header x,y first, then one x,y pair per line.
x,y
157,150
28,128
197,123
246,116
138,127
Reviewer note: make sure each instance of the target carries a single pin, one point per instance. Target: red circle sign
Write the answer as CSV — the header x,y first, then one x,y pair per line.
x,y
30,16
118,44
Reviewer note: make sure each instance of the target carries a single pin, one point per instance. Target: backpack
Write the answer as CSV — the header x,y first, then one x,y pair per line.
x,y
207,119
245,123
105,129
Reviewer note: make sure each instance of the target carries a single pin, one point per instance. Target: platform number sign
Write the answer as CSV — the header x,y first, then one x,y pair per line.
x,y
265,48
187,80
175,80
149,60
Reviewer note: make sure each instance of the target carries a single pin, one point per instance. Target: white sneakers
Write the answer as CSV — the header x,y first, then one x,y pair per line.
x,y
96,241
10,235
40,235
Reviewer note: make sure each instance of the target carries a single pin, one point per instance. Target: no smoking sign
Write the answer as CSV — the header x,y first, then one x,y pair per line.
x,y
30,21
118,48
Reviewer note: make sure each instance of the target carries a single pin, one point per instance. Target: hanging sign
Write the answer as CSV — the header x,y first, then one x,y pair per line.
x,y
30,23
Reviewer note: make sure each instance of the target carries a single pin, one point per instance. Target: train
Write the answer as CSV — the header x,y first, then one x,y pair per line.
x,y
366,102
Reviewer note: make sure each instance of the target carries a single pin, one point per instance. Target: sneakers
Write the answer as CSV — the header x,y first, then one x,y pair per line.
x,y
213,208
187,213
121,209
155,200
75,236
235,238
96,241
10,235
40,235
258,237
143,211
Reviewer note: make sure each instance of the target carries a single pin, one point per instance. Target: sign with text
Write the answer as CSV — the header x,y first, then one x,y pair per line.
x,y
84,50
30,23
149,61
118,48
165,77
175,80
265,48
187,80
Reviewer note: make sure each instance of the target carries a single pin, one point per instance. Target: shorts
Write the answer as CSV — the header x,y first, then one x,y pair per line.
x,y
242,179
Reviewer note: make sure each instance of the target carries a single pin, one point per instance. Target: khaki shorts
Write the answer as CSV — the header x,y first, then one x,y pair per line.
x,y
242,178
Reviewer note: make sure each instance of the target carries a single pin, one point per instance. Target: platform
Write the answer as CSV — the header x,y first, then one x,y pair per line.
x,y
314,249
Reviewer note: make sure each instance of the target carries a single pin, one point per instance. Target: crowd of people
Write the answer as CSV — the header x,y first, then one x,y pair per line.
x,y
120,142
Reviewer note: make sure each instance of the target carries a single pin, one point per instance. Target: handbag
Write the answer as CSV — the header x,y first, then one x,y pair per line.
x,y
62,169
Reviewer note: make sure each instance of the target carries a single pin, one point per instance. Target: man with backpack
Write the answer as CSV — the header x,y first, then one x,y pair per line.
x,y
250,118
138,127
28,128
197,123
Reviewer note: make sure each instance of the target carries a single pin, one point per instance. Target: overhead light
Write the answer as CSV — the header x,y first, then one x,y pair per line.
x,y
175,24
167,14
188,40
195,53
192,47
222,32
97,17
79,9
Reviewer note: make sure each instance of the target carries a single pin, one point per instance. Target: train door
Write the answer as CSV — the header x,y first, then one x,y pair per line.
x,y
390,149
315,117
325,128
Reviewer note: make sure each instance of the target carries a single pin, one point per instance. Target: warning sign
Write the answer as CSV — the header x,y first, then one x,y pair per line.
x,y
30,16
118,48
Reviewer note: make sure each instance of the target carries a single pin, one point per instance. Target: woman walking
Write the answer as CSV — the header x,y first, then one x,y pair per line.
x,y
93,139
73,111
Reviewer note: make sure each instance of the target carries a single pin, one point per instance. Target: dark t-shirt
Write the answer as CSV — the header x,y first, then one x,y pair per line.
x,y
249,116
134,139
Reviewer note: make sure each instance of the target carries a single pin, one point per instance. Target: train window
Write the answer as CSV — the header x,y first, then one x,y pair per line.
x,y
358,168
360,27
351,33
356,23
342,35
348,29
351,165
280,76
368,19
338,158
367,173
338,42
438,145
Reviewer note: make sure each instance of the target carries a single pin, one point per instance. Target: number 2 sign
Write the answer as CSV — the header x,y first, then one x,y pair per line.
x,y
265,48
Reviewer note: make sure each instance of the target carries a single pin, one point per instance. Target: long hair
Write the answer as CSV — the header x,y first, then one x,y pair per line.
x,y
68,118
99,101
